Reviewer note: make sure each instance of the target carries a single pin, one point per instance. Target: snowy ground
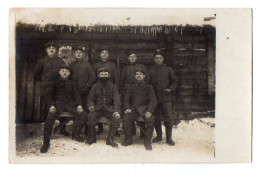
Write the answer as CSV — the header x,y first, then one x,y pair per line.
x,y
194,142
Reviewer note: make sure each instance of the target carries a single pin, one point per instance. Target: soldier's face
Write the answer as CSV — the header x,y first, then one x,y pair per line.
x,y
104,55
132,58
158,59
139,76
51,51
64,73
78,54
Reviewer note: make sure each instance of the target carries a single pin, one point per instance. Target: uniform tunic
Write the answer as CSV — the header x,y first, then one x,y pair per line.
x,y
63,94
104,95
106,100
140,97
65,97
46,70
83,75
162,77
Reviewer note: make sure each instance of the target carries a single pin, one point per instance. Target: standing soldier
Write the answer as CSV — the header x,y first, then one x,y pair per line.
x,y
111,67
63,96
165,84
83,75
46,71
140,100
128,78
104,101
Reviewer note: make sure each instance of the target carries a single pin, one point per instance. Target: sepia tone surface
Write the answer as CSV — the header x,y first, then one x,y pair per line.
x,y
193,52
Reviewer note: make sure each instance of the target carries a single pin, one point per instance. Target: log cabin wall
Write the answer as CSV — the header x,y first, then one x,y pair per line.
x,y
192,56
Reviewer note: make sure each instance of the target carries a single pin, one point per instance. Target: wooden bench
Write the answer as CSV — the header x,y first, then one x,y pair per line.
x,y
100,120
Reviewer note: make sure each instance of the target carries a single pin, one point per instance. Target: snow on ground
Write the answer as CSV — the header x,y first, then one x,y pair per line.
x,y
194,142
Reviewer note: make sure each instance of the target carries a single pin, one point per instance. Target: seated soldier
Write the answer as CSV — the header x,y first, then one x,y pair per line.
x,y
63,96
140,100
103,101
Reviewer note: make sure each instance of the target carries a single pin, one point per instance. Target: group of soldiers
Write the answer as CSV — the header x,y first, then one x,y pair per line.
x,y
90,93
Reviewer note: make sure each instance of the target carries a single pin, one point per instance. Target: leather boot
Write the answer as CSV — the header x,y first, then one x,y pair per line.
x,y
92,134
45,146
148,137
128,135
169,135
133,129
142,130
100,128
110,138
86,129
78,128
158,129
63,131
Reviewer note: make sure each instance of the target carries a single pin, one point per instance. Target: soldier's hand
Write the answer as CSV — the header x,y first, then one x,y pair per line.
x,y
168,90
116,115
147,115
128,111
91,109
52,109
79,109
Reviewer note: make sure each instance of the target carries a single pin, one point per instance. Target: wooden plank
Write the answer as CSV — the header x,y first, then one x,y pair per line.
x,y
185,91
37,113
178,45
199,53
199,38
30,94
200,84
200,61
23,90
199,45
137,46
178,52
182,39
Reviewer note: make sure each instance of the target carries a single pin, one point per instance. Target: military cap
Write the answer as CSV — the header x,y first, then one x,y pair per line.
x,y
65,67
102,70
104,48
132,51
159,52
81,48
50,44
140,70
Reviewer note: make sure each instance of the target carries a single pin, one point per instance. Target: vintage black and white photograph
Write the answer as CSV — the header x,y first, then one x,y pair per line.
x,y
131,85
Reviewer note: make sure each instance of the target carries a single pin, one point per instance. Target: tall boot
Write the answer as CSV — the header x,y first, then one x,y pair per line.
x,y
45,146
142,130
110,138
92,134
133,129
148,136
63,131
78,129
128,135
48,127
158,129
169,140
86,129
100,128
74,127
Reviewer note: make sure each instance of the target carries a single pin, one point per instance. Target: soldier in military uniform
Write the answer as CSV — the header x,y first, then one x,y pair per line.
x,y
111,67
45,71
63,96
140,100
165,83
128,78
104,100
83,75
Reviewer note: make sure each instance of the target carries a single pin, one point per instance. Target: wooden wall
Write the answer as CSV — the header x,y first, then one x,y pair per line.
x,y
191,56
